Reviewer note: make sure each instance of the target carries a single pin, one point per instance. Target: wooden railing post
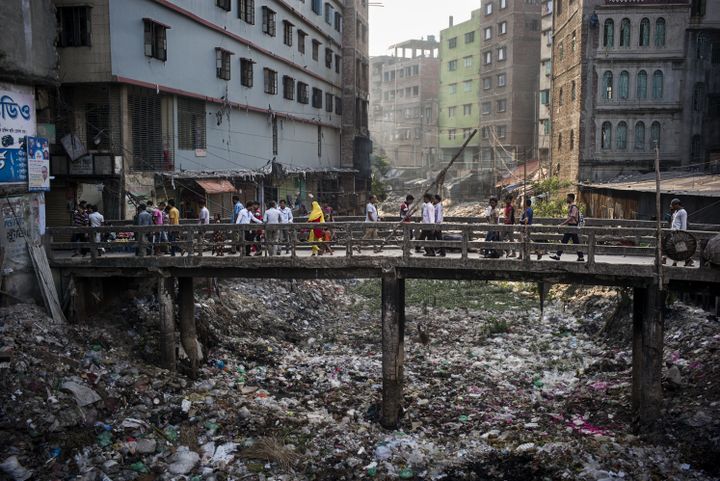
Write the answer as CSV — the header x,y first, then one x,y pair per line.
x,y
591,250
406,247
350,243
465,249
293,242
141,241
525,238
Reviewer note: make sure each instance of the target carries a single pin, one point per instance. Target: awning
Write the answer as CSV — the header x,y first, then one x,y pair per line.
x,y
216,186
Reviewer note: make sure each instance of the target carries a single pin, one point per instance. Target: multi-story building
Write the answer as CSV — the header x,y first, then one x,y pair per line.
x,y
404,105
193,99
489,78
543,137
630,76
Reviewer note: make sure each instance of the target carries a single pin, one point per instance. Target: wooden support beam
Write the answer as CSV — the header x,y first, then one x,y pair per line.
x,y
393,345
648,331
188,331
166,301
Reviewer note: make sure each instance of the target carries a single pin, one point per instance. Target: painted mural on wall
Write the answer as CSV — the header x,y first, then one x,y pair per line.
x,y
38,158
17,121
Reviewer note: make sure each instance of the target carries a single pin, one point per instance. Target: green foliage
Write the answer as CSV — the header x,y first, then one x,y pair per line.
x,y
552,204
381,164
380,168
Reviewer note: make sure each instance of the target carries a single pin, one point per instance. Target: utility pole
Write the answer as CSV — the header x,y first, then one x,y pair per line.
x,y
658,215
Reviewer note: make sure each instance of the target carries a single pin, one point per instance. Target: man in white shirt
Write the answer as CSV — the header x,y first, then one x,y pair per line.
x,y
204,216
437,202
371,216
272,217
286,217
245,217
428,220
237,207
96,220
679,222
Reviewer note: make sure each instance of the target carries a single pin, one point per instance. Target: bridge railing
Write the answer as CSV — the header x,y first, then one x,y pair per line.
x,y
353,239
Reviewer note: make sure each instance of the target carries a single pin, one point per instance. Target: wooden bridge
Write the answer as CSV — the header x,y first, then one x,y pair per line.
x,y
616,253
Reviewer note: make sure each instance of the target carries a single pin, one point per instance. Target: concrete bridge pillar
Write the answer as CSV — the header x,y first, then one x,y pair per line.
x,y
648,332
188,331
166,302
393,347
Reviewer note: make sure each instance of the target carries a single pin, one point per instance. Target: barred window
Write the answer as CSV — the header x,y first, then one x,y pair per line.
x,y
74,26
287,33
155,40
288,87
268,21
338,105
328,58
246,11
302,93
301,36
224,4
271,81
315,50
329,102
192,125
246,72
317,98
222,63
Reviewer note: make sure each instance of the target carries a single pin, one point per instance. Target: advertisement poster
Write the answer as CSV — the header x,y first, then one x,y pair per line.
x,y
17,120
38,160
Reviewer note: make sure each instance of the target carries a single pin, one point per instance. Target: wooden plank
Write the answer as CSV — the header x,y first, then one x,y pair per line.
x,y
393,348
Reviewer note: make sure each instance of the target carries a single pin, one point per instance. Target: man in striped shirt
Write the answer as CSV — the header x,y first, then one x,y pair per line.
x,y
80,219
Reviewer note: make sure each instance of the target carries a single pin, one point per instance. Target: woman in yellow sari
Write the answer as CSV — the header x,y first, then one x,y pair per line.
x,y
316,235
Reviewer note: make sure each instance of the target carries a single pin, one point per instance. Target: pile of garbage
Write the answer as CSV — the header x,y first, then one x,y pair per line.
x,y
291,384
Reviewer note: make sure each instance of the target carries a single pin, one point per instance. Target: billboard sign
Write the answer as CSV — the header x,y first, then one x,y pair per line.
x,y
17,120
38,164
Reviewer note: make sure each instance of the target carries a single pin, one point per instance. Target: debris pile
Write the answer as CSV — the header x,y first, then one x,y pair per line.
x,y
291,387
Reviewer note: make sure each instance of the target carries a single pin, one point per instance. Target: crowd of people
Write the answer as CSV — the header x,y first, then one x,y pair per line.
x,y
273,241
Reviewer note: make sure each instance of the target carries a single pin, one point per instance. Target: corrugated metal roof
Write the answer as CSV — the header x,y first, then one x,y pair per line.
x,y
707,185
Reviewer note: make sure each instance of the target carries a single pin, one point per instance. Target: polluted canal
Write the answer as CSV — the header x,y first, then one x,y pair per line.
x,y
290,388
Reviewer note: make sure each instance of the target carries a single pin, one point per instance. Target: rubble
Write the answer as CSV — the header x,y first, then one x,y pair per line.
x,y
291,385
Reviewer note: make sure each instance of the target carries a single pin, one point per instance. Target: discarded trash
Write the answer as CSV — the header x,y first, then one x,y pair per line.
x,y
84,396
12,467
183,461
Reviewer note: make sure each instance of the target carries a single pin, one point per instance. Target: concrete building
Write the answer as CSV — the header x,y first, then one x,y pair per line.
x,y
489,80
630,75
28,76
404,106
544,84
239,96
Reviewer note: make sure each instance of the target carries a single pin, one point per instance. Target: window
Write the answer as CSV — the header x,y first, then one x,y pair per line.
x,y
488,8
246,11
660,32
271,81
486,108
416,70
624,85
622,136
640,136
487,83
452,43
338,21
546,127
317,6
467,61
467,86
467,109
545,97
502,54
301,36
451,134
560,97
501,131
644,39
573,39
547,66
609,34
329,102
338,106
625,32
485,132
487,33
246,72
288,87
452,111
502,105
559,144
155,40
329,13
487,58
700,46
699,97
470,37
337,63
315,50
696,149
606,136
697,9
655,134
607,88
501,80
641,88
573,93
192,126
74,26
503,4
452,89
317,98
561,51
572,139
415,91
268,21
328,58
452,65
302,92
658,84
224,4
466,133
502,28
287,33
222,63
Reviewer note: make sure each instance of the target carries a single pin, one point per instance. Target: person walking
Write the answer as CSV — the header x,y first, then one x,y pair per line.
x,y
96,219
80,219
509,219
371,216
437,204
678,221
491,217
237,207
573,220
272,236
428,220
527,220
406,216
173,217
286,217
316,234
245,217
143,218
204,214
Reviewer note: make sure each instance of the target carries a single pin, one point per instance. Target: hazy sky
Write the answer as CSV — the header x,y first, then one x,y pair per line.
x,y
401,20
